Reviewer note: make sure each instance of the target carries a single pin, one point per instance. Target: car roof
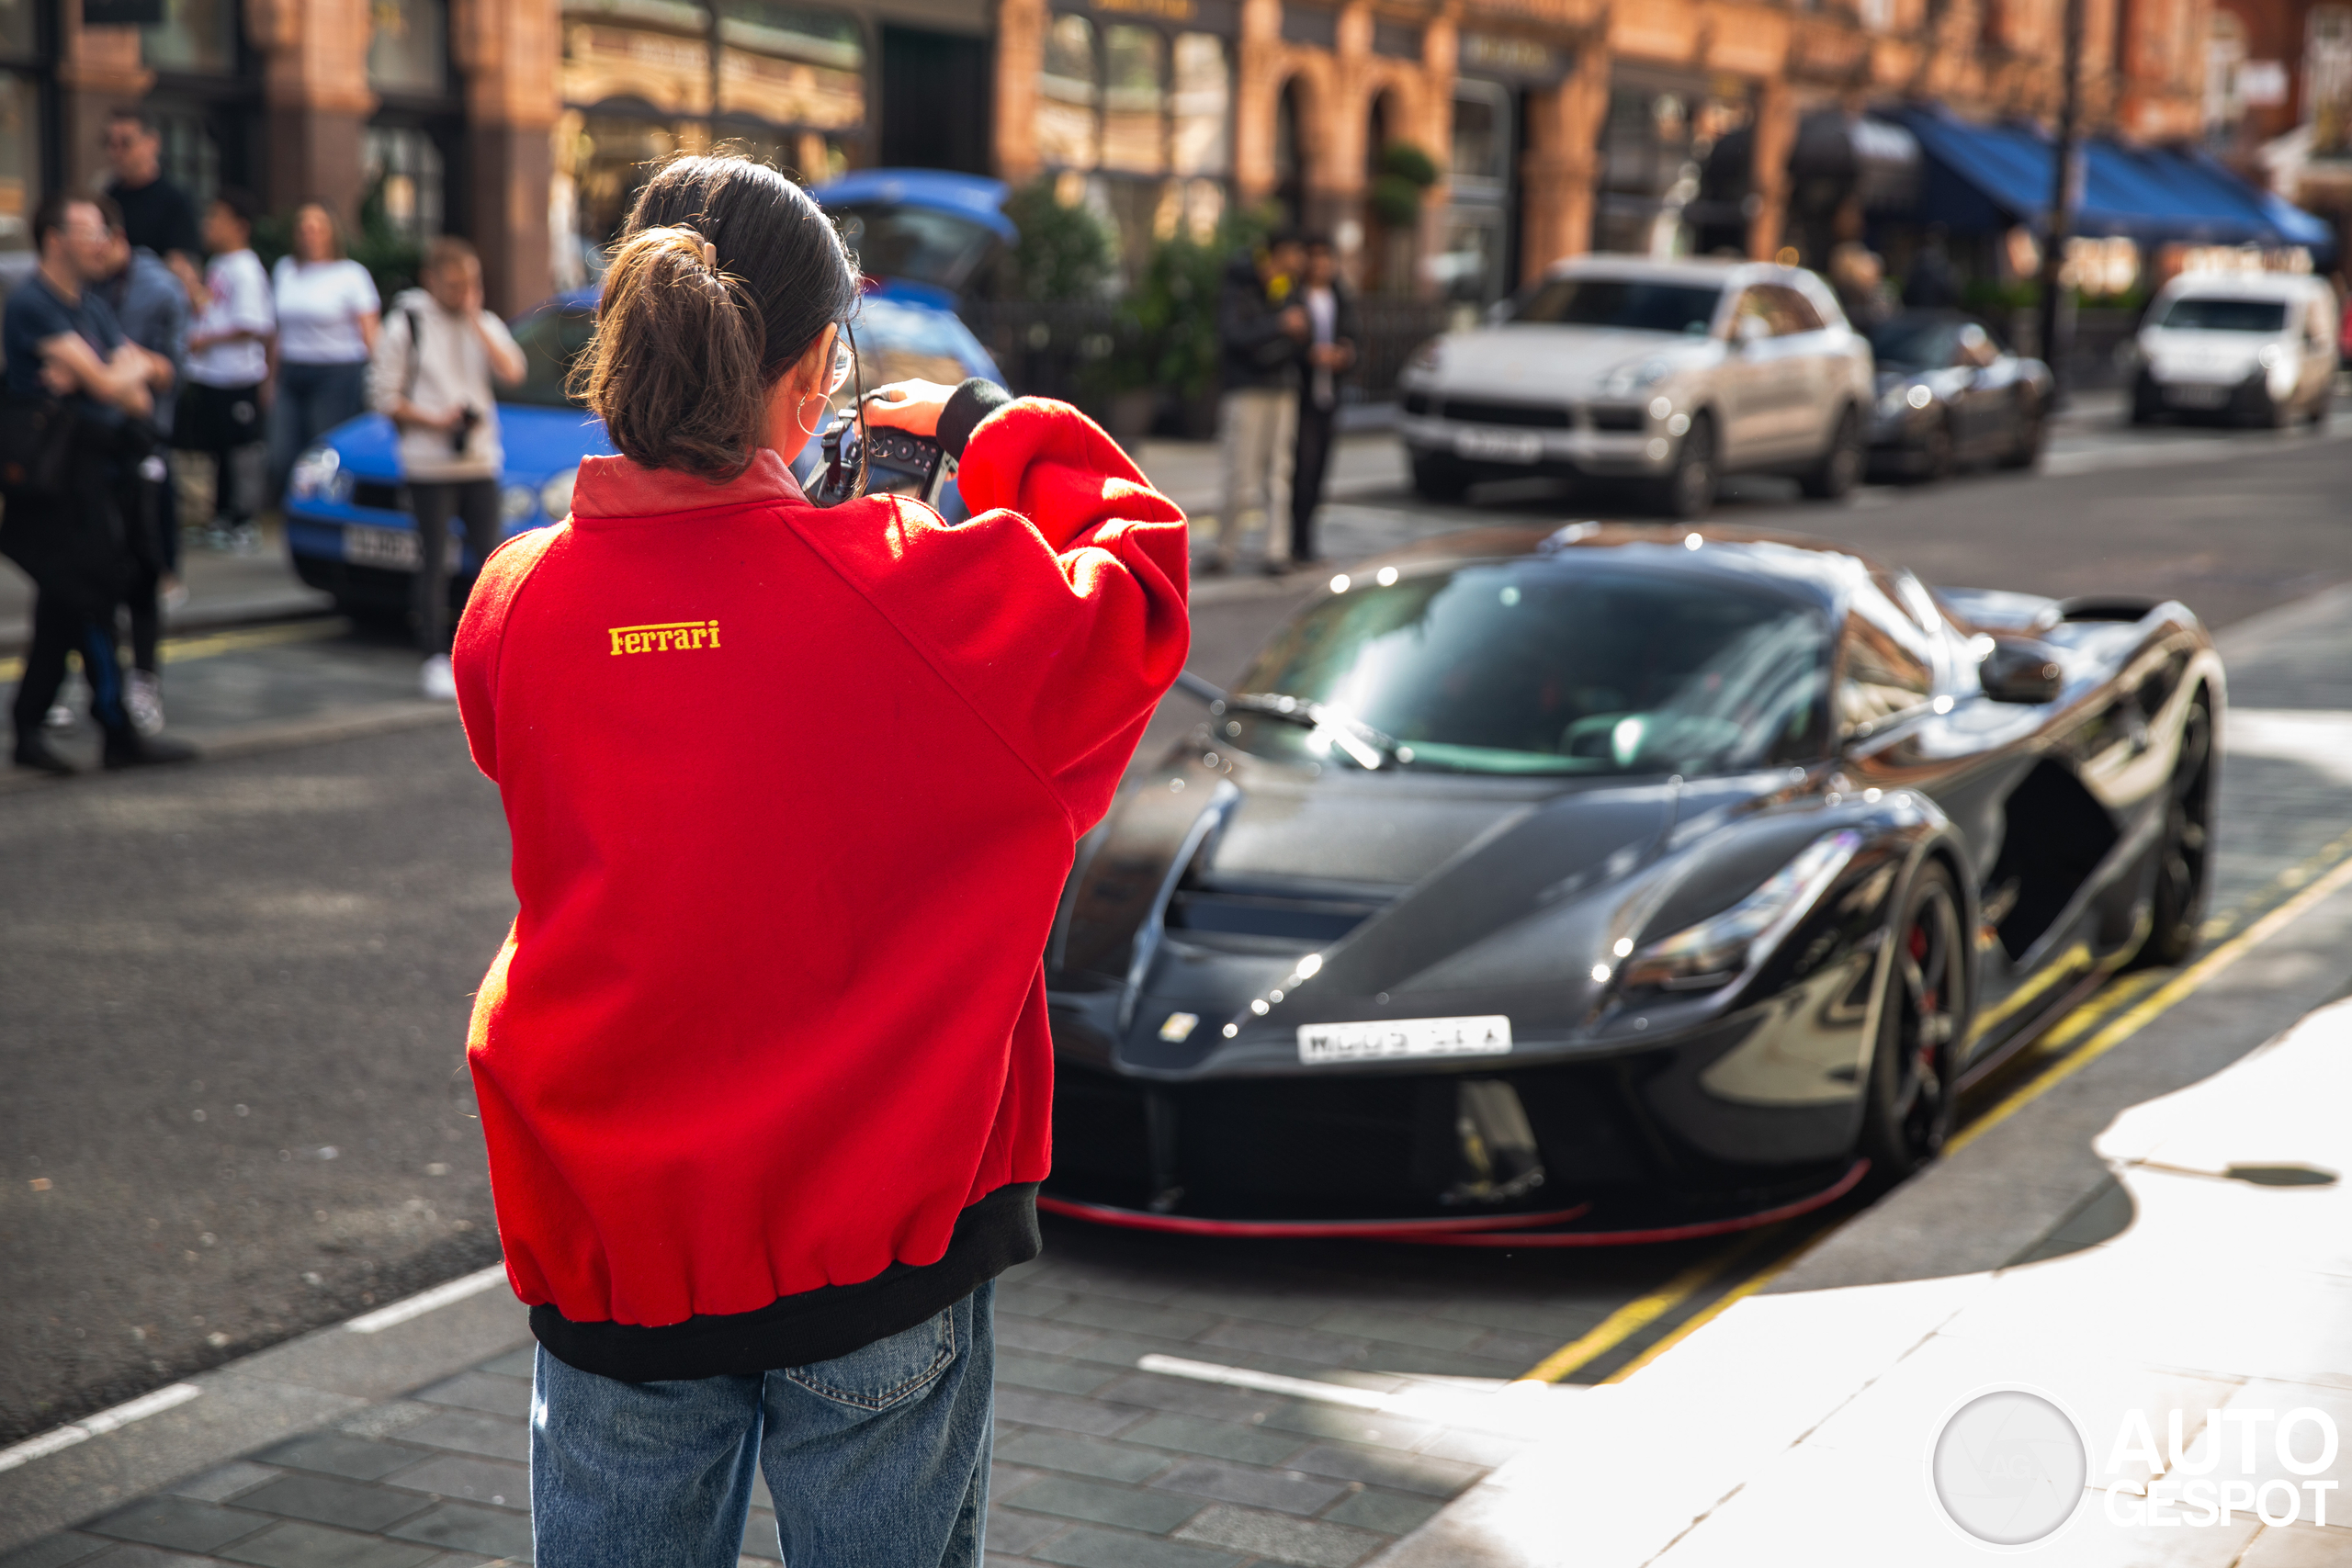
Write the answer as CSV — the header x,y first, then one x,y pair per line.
x,y
1816,570
2249,285
1703,270
973,196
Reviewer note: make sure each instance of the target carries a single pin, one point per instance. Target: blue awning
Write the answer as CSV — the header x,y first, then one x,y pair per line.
x,y
1983,177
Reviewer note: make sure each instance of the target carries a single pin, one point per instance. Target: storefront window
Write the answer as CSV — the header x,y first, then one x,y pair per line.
x,y
403,168
1481,134
1134,101
408,48
18,36
20,158
1202,103
195,36
1653,148
792,67
1066,100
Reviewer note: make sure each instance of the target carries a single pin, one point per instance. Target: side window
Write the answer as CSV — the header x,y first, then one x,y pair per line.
x,y
1883,670
1792,311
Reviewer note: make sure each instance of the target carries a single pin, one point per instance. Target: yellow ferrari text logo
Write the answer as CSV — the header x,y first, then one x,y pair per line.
x,y
667,637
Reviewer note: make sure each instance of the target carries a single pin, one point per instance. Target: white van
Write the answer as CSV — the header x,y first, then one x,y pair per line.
x,y
2258,348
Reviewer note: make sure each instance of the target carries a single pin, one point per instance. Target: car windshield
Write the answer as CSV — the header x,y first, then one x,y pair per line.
x,y
1550,667
1916,342
2190,313
917,243
550,340
1628,304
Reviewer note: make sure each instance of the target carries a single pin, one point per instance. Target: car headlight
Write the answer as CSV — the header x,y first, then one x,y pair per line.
x,y
1898,402
2271,356
1628,379
1716,950
515,503
555,496
313,475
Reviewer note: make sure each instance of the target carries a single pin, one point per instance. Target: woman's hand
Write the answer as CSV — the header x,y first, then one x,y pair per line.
x,y
910,406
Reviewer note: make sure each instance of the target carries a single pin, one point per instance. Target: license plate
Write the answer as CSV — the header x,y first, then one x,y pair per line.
x,y
393,548
1500,446
1391,1040
2196,397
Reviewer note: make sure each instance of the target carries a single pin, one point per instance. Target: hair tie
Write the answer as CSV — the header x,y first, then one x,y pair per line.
x,y
710,256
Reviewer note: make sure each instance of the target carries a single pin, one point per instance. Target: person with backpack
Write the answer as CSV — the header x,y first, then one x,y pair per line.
x,y
763,1066
435,358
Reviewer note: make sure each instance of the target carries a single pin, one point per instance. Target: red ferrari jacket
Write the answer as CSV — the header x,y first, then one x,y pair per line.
x,y
763,1066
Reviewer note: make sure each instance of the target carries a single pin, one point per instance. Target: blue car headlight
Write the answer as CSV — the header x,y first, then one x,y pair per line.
x,y
1718,950
555,496
317,475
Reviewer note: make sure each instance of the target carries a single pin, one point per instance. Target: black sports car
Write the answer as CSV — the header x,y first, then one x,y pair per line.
x,y
1552,888
1950,393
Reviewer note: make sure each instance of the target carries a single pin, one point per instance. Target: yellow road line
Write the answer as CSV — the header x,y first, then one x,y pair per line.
x,y
1715,1308
2158,1002
211,645
1629,1320
2117,1012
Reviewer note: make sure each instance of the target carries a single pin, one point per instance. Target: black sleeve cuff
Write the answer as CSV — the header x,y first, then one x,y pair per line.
x,y
974,401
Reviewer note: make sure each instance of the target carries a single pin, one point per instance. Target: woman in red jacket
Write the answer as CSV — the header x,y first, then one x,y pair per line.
x,y
763,1066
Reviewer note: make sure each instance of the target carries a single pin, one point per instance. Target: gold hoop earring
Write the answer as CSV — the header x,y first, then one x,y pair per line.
x,y
802,404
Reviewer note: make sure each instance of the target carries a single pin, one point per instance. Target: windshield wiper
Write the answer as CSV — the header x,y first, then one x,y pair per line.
x,y
1368,747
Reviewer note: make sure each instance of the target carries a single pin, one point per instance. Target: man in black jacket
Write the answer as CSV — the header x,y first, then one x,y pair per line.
x,y
1330,350
1260,325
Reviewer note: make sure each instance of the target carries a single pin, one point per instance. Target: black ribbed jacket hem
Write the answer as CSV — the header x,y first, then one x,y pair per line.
x,y
990,1236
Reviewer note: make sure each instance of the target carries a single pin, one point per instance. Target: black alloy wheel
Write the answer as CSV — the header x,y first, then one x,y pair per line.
x,y
2026,437
2176,903
1688,490
1439,476
1840,468
1922,1024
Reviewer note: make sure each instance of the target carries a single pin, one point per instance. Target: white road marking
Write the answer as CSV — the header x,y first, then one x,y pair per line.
x,y
1266,1383
440,1296
89,1427
2318,738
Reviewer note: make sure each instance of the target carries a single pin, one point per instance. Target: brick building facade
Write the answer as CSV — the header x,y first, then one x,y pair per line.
x,y
1556,125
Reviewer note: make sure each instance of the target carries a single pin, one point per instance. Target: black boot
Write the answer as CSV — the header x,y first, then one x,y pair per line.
x,y
33,752
128,749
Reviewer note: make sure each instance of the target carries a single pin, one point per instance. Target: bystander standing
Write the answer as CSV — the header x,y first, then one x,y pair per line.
x,y
151,308
1259,328
1331,349
228,363
78,395
435,361
1858,278
327,317
156,213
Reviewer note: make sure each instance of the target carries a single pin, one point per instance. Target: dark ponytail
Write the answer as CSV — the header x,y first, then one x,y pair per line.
x,y
725,275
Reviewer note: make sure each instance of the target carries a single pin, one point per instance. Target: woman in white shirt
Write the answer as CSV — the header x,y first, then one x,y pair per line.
x,y
327,315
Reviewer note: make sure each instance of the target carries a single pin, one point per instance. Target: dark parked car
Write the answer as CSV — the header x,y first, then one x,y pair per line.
x,y
1541,888
1951,393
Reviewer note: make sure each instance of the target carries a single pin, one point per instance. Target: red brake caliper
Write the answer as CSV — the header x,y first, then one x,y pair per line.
x,y
1918,944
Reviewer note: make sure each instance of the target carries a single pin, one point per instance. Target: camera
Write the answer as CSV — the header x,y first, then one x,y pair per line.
x,y
462,432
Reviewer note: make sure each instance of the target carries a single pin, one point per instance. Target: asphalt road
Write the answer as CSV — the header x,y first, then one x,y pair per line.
x,y
233,1004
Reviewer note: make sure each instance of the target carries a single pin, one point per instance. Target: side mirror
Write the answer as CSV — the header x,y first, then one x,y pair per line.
x,y
2016,670
1750,331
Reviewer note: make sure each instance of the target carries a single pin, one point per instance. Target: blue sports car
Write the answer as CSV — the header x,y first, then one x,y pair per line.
x,y
920,236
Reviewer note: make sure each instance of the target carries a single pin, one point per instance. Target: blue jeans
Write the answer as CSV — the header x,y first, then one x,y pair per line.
x,y
876,1460
311,400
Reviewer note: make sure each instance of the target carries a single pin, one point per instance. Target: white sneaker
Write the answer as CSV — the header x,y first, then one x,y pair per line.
x,y
59,717
144,695
440,683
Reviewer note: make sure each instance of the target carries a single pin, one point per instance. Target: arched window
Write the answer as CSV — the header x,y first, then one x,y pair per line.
x,y
1067,136
1135,130
1204,106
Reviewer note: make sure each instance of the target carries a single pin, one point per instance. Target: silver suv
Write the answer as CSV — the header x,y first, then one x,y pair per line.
x,y
1671,373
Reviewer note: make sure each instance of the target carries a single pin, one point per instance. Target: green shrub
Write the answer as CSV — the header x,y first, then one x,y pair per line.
x,y
1064,252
